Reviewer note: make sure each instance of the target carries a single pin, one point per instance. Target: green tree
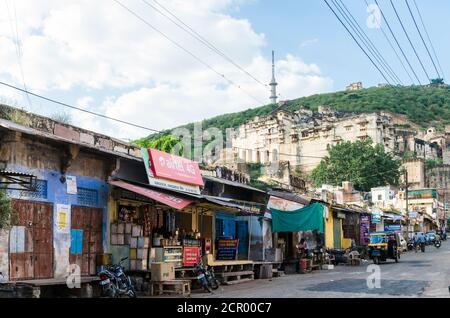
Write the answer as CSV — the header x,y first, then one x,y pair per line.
x,y
166,143
359,162
5,208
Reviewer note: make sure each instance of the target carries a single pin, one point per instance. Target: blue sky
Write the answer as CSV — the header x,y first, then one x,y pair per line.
x,y
289,23
114,64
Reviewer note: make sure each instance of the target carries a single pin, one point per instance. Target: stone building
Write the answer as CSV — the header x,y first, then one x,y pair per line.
x,y
304,137
354,87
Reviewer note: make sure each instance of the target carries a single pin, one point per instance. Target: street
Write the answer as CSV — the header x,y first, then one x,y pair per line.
x,y
416,275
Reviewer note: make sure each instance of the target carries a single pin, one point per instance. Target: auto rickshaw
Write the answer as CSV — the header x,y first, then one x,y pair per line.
x,y
384,245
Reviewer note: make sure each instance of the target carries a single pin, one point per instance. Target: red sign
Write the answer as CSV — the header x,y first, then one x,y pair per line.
x,y
170,200
167,166
191,256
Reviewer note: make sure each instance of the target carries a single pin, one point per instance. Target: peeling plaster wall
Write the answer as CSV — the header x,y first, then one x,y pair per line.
x,y
4,268
43,161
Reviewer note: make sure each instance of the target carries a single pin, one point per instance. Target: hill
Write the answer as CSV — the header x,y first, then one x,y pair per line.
x,y
423,105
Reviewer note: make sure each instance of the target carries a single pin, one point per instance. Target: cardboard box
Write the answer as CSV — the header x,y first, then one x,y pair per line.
x,y
134,242
141,265
162,272
142,253
152,255
128,227
141,242
120,239
113,239
121,228
133,254
136,230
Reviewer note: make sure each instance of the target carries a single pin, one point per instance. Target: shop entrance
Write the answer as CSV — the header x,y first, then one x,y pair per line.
x,y
86,236
31,240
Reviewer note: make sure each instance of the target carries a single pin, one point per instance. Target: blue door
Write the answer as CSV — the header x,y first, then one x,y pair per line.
x,y
225,227
242,235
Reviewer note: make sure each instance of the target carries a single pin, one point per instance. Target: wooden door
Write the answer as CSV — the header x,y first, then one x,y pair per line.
x,y
87,222
31,240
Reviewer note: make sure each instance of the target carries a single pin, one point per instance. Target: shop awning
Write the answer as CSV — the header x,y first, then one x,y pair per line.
x,y
242,206
309,218
167,199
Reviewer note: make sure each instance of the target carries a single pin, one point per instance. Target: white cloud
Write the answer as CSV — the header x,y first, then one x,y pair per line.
x,y
133,73
309,42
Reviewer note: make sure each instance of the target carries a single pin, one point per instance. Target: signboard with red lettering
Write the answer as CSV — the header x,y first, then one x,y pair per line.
x,y
191,256
171,167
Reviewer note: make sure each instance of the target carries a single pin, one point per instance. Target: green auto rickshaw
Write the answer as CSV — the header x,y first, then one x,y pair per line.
x,y
383,246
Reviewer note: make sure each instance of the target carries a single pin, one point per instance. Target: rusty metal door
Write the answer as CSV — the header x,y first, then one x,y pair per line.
x,y
89,222
31,256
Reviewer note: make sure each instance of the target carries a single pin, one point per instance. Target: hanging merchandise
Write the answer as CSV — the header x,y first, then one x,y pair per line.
x,y
170,222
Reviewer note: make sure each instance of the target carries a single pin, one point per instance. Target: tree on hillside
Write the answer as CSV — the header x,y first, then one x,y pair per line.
x,y
359,162
437,81
169,144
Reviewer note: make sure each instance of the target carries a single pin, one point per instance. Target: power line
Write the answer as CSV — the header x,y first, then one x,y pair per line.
x,y
409,39
423,41
368,43
18,48
187,51
189,30
398,44
78,108
362,49
393,48
429,39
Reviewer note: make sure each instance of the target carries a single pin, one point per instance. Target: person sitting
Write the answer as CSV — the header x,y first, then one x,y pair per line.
x,y
303,248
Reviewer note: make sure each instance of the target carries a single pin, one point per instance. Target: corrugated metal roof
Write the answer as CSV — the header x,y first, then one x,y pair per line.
x,y
291,197
15,173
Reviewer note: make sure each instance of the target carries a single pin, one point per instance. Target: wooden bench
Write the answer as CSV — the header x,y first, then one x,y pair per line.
x,y
177,287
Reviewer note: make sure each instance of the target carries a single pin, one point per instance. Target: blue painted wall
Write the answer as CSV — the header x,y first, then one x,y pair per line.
x,y
57,194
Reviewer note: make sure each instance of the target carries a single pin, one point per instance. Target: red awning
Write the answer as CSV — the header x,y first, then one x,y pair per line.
x,y
170,200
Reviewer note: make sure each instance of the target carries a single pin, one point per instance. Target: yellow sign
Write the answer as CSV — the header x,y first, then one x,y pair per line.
x,y
62,218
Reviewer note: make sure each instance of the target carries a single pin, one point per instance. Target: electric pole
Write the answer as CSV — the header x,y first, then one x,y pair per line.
x,y
407,203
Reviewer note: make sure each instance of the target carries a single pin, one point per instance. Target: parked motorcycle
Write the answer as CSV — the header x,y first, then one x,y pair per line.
x,y
115,283
437,243
206,277
410,245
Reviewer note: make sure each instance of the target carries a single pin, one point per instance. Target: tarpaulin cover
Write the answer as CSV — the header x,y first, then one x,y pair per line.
x,y
309,218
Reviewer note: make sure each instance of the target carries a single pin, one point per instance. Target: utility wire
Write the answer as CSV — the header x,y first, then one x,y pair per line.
x,y
78,108
15,34
393,48
362,49
188,29
396,41
187,51
429,39
409,39
423,40
348,16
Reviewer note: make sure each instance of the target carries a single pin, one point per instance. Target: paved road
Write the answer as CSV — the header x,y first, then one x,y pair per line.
x,y
417,275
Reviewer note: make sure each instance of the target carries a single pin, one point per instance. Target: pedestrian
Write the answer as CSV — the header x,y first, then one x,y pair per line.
x,y
303,248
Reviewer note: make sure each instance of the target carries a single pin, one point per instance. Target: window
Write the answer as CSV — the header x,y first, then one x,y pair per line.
x,y
348,128
40,191
87,197
380,197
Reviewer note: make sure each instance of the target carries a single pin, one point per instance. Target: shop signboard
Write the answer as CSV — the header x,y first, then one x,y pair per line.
x,y
422,194
376,216
227,250
364,229
393,227
171,167
412,215
191,256
163,183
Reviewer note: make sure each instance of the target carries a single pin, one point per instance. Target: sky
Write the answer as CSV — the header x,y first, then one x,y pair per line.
x,y
98,56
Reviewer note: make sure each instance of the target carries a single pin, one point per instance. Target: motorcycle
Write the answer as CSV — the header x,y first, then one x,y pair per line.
x,y
410,245
115,283
437,243
206,277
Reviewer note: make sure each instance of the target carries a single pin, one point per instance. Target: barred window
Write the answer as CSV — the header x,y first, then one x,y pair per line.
x,y
87,197
39,191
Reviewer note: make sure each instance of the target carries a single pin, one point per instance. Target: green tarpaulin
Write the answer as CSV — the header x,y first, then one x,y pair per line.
x,y
309,218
